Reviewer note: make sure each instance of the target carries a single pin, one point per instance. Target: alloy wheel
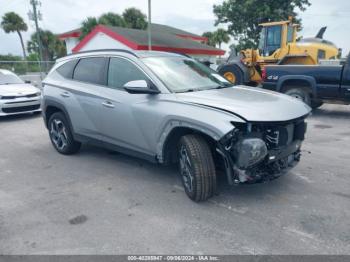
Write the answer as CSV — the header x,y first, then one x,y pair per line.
x,y
185,169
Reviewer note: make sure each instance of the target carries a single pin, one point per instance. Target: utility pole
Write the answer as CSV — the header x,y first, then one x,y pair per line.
x,y
149,26
35,16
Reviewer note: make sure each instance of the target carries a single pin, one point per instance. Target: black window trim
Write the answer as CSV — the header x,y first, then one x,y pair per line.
x,y
106,69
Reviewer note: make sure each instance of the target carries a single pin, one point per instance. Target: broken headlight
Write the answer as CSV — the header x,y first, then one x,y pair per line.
x,y
249,152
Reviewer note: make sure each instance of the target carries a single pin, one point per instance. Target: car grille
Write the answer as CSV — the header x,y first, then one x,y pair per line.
x,y
277,136
10,110
14,97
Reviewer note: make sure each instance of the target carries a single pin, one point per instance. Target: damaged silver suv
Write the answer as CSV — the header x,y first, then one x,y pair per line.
x,y
169,108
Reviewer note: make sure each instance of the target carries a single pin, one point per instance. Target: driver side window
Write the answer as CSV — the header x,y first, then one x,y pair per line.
x,y
122,71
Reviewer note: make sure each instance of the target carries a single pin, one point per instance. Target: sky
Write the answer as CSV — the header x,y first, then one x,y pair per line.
x,y
195,16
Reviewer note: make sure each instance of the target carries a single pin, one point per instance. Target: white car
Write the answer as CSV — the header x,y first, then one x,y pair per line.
x,y
16,96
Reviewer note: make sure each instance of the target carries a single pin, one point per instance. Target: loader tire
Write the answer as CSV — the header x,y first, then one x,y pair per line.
x,y
232,73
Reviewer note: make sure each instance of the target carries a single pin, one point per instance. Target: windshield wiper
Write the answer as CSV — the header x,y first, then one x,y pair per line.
x,y
222,86
188,90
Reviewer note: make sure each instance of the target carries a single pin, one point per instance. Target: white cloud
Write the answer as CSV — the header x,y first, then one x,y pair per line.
x,y
192,15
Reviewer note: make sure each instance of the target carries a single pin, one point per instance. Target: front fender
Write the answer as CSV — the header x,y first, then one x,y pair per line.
x,y
303,78
215,129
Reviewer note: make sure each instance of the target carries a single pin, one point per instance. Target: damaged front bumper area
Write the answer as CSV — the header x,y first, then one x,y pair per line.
x,y
258,152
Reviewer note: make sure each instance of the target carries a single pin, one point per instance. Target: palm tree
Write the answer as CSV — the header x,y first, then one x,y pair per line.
x,y
53,47
211,38
221,36
12,22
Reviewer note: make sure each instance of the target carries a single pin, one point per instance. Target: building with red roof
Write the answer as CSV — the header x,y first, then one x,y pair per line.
x,y
164,38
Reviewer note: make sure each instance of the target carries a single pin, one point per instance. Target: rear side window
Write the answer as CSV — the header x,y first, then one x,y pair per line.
x,y
66,70
91,70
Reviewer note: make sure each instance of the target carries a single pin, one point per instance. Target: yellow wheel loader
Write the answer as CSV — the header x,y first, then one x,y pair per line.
x,y
278,45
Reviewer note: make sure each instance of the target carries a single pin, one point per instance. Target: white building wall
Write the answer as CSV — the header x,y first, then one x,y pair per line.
x,y
103,41
71,42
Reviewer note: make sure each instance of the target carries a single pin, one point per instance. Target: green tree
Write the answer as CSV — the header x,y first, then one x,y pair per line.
x,y
112,19
12,22
87,25
53,47
217,37
131,18
221,36
211,38
9,63
244,16
134,18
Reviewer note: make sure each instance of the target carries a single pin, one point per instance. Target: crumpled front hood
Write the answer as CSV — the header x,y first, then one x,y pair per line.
x,y
251,104
17,90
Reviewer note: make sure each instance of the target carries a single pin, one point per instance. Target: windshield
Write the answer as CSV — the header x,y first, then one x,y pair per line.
x,y
7,78
181,74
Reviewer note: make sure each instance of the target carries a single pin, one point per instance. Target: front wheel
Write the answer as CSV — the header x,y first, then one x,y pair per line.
x,y
197,168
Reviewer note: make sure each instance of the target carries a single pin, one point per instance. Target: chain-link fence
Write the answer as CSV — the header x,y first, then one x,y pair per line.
x,y
30,71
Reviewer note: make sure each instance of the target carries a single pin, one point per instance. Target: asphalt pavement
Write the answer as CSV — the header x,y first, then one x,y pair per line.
x,y
98,202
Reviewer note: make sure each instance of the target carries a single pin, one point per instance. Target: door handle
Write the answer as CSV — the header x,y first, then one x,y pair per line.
x,y
65,94
108,104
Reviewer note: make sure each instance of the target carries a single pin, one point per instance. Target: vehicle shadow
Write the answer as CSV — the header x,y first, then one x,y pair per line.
x,y
21,117
331,111
143,170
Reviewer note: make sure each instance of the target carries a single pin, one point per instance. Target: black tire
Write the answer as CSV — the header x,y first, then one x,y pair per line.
x,y
59,130
316,104
201,167
299,93
233,69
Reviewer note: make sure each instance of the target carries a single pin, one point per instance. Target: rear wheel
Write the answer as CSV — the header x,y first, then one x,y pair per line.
x,y
232,73
61,135
197,168
300,94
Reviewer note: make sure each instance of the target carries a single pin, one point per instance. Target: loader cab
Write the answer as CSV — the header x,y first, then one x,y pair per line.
x,y
275,35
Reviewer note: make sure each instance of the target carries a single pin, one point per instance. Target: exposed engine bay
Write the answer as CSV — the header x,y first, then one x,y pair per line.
x,y
256,152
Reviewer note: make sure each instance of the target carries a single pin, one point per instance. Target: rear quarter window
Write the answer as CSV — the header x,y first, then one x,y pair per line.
x,y
66,70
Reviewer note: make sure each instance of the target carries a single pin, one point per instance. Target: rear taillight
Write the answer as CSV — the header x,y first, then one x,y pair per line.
x,y
263,74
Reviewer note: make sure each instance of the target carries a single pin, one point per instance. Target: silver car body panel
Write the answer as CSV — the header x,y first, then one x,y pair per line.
x,y
252,104
142,122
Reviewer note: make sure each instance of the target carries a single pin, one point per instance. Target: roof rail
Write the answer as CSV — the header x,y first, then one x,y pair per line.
x,y
102,50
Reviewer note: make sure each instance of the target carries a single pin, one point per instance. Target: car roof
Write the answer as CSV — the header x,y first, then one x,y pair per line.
x,y
139,54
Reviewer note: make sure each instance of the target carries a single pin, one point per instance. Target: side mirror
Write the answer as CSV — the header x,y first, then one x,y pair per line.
x,y
27,81
139,87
